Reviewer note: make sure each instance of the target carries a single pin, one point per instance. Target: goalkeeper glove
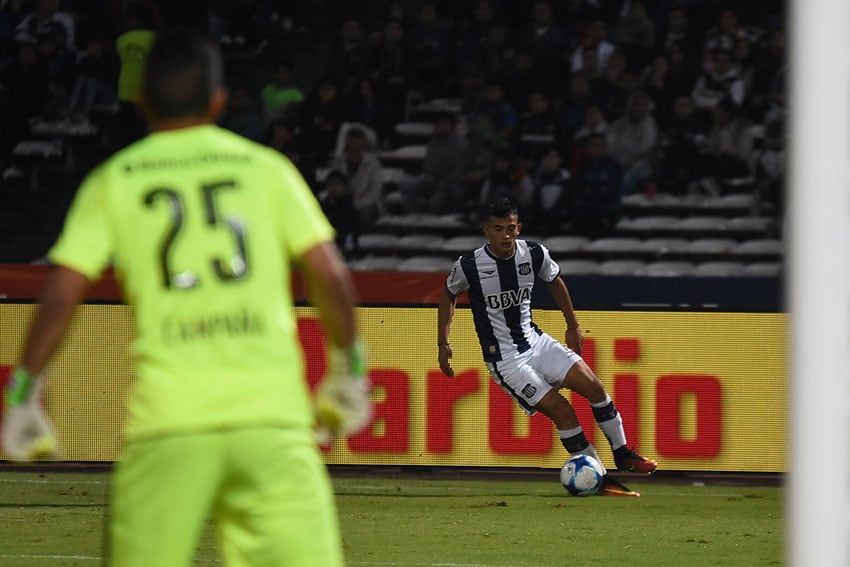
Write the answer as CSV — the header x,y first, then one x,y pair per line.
x,y
27,433
343,404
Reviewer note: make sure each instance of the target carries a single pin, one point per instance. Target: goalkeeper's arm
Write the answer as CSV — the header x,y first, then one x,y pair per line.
x,y
26,431
343,403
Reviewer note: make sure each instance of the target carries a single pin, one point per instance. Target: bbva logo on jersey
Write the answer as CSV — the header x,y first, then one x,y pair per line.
x,y
509,298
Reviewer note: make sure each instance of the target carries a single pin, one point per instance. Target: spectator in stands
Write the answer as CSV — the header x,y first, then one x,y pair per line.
x,y
726,33
681,35
390,68
493,106
242,115
349,57
683,134
543,39
494,55
23,85
11,14
571,111
509,178
663,84
522,80
286,138
482,143
594,123
58,61
728,153
592,54
439,188
720,81
95,79
473,30
632,140
551,180
44,23
536,130
431,45
281,98
363,170
364,107
615,85
770,170
322,115
596,196
635,30
133,45
768,65
337,202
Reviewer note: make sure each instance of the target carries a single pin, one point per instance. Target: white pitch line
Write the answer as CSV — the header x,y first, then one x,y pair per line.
x,y
46,481
78,557
26,556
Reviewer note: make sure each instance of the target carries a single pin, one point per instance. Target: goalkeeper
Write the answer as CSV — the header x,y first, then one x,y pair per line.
x,y
201,226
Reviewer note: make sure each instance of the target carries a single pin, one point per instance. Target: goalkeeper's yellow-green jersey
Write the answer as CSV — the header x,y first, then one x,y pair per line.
x,y
200,226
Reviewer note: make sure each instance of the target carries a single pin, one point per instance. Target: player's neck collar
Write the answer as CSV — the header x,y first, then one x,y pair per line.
x,y
497,257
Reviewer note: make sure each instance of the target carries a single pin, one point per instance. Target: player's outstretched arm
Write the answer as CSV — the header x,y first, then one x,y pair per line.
x,y
331,290
574,337
445,314
27,432
63,290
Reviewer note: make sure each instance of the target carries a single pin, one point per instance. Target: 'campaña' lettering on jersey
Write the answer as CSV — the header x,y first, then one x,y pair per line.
x,y
508,298
242,322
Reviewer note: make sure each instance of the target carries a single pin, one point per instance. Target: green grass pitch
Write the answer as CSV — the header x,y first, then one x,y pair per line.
x,y
52,519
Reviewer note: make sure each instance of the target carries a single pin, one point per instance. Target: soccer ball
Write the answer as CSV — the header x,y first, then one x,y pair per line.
x,y
582,475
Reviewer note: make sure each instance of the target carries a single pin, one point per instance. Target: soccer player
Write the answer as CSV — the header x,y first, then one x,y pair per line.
x,y
201,226
527,363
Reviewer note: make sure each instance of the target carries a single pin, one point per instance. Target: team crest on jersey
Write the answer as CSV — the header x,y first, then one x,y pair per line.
x,y
529,390
524,269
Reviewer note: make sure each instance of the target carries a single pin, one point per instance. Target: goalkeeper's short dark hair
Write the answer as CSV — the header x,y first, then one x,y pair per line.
x,y
182,71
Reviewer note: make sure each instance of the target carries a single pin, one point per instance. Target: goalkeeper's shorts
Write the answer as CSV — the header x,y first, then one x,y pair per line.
x,y
266,488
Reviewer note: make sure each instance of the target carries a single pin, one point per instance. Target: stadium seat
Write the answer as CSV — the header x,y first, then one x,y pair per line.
x,y
701,225
759,248
708,250
750,226
410,153
573,267
425,264
375,263
377,242
620,267
463,244
763,269
666,246
734,202
719,269
564,244
421,130
648,225
614,246
418,243
666,269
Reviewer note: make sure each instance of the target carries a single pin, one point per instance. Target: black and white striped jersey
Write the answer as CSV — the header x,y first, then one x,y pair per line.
x,y
500,295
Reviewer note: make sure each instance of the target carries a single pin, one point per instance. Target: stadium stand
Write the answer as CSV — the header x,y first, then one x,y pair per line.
x,y
716,220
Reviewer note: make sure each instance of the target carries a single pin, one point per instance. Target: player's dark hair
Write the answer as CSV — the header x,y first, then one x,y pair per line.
x,y
501,208
182,71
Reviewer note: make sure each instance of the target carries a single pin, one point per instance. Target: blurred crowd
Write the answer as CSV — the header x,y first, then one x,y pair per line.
x,y
564,105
